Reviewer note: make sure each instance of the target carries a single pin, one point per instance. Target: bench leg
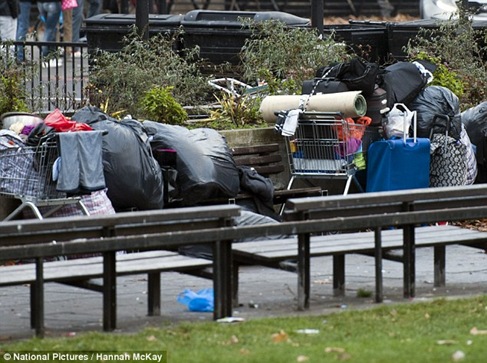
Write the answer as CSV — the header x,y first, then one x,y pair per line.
x,y
439,266
222,279
154,291
33,299
379,289
409,275
37,300
339,275
109,291
303,271
235,282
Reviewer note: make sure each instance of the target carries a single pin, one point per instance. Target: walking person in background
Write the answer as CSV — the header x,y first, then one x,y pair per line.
x,y
51,10
67,6
95,8
68,29
9,11
76,25
23,24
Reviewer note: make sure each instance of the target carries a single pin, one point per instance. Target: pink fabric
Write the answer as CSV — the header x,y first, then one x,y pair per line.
x,y
68,4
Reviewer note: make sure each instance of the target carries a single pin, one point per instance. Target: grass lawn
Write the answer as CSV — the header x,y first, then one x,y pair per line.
x,y
438,331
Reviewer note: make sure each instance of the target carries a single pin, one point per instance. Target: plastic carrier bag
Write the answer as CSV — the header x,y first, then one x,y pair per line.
x,y
202,301
398,121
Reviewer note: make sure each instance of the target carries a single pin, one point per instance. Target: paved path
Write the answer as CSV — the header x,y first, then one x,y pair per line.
x,y
263,293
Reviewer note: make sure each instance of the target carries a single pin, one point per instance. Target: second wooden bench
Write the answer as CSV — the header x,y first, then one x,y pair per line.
x,y
369,223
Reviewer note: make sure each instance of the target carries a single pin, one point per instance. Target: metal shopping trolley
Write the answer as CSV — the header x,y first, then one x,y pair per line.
x,y
325,146
28,174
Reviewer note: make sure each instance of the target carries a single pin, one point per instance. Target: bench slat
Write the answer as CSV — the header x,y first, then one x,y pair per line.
x,y
24,227
277,250
92,267
419,196
256,160
257,149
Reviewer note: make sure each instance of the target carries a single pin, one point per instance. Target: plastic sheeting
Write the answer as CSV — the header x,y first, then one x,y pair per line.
x,y
204,163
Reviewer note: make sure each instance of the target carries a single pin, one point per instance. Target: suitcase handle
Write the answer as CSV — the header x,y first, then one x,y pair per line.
x,y
414,121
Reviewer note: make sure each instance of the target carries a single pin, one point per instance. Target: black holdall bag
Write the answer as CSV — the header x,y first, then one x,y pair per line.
x,y
323,85
357,74
403,81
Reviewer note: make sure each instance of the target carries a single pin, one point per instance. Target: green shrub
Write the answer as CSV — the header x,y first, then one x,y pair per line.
x,y
119,80
12,89
236,112
158,104
459,51
284,56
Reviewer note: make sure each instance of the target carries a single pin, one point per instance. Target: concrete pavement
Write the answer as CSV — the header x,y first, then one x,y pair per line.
x,y
263,293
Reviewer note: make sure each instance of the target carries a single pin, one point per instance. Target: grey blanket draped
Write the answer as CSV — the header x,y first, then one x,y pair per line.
x,y
81,169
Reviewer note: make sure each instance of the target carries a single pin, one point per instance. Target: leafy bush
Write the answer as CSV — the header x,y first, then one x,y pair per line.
x,y
460,52
285,56
236,112
119,80
12,90
159,105
442,76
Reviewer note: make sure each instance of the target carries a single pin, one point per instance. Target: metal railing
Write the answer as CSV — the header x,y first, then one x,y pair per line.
x,y
55,81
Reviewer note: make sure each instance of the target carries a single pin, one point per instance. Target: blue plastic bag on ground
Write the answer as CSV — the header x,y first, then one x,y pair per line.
x,y
202,301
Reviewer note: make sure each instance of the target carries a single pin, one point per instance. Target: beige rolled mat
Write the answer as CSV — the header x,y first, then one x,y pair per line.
x,y
350,104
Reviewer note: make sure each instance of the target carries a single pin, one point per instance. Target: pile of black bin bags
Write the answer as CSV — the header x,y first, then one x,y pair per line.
x,y
204,165
132,175
203,169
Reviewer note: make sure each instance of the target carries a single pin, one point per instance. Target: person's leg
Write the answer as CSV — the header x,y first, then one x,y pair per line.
x,y
52,12
68,28
95,8
8,28
77,21
23,23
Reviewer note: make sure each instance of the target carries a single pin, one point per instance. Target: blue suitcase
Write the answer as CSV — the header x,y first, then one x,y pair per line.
x,y
398,163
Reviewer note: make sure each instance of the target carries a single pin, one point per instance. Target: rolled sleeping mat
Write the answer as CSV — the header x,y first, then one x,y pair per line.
x,y
350,104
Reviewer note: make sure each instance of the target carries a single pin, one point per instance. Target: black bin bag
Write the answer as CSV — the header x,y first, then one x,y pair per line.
x,y
475,121
133,177
204,163
438,112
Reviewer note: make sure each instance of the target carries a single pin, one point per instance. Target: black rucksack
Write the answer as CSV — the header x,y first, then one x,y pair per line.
x,y
403,81
357,74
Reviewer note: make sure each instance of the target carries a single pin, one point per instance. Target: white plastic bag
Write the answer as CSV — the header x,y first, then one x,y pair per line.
x,y
398,120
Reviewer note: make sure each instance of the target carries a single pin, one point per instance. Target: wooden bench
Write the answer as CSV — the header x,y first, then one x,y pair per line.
x,y
267,161
369,223
148,238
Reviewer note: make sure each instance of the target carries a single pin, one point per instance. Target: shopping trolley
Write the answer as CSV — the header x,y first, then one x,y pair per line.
x,y
28,174
325,146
